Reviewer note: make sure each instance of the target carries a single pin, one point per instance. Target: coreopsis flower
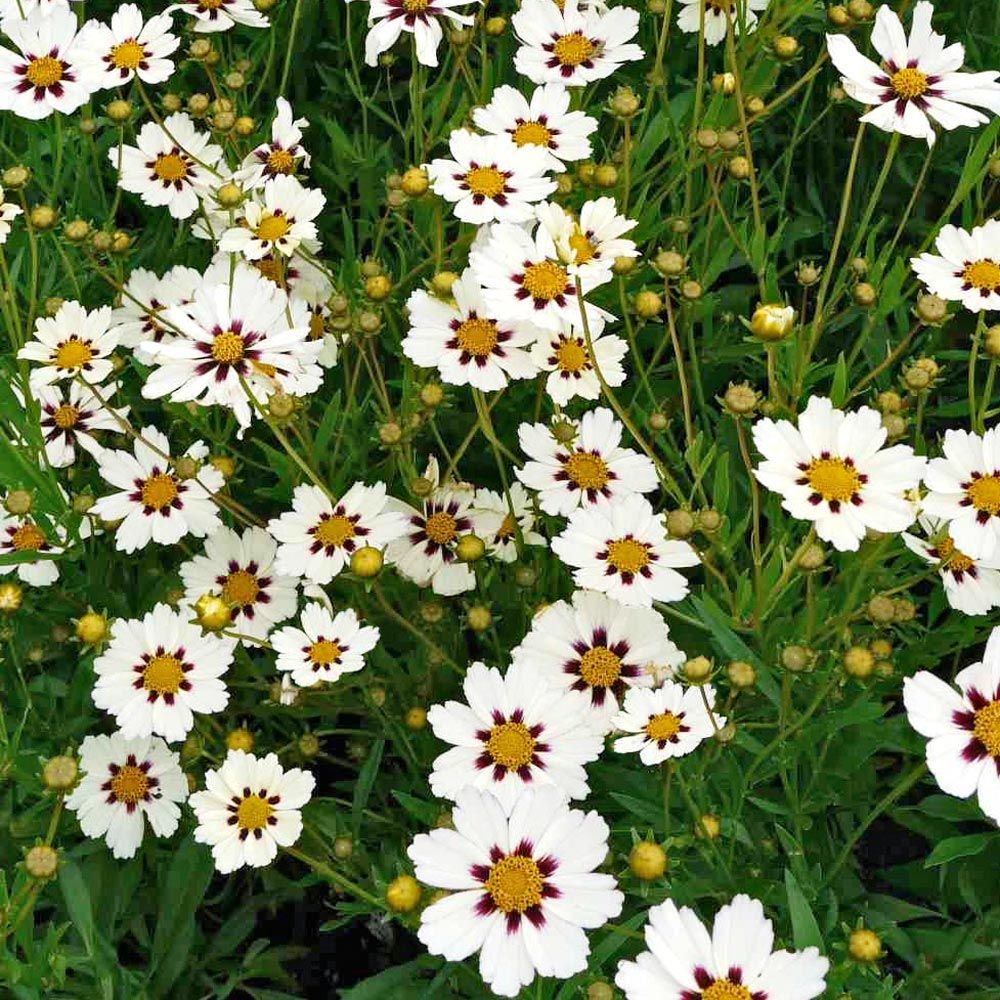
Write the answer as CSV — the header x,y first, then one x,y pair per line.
x,y
24,537
125,783
599,647
963,490
972,586
832,470
918,85
591,242
514,731
42,74
277,220
74,342
221,15
573,44
962,727
522,888
283,154
491,178
153,502
130,46
544,120
8,212
620,548
388,19
241,570
465,345
574,463
235,338
742,16
733,962
966,268
171,165
566,356
665,721
143,298
158,671
318,536
518,516
69,418
326,647
250,807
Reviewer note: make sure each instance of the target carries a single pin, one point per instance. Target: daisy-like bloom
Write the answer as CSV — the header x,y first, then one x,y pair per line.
x,y
388,19
491,178
579,463
125,782
515,731
232,335
522,888
918,85
158,671
44,74
966,268
465,345
962,727
317,537
665,721
597,646
832,470
221,15
128,47
75,341
590,243
326,647
144,297
716,13
564,354
153,502
734,962
278,223
171,165
23,536
282,155
620,548
250,807
544,121
517,515
573,44
240,570
8,212
964,491
69,419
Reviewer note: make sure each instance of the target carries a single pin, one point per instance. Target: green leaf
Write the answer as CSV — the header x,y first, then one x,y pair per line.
x,y
77,897
838,389
959,847
805,929
364,785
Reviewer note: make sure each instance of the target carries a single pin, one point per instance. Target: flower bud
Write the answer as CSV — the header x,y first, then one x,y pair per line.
x,y
889,401
479,618
378,287
41,861
403,894
754,105
343,848
691,290
724,83
860,10
881,609
739,168
624,103
741,674
213,613
43,217
59,773
416,718
785,47
858,662
991,342
707,138
740,399
771,323
697,670
680,524
309,746
15,177
11,597
240,739
366,562
838,17
495,26
795,658
647,860
432,612
470,548
708,827
647,304
230,195
669,263
415,182
658,421
19,502
92,628
729,140
390,433
606,175
76,230
931,309
865,294
864,945
709,520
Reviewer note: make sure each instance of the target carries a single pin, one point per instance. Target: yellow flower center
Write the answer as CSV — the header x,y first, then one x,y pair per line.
x,y
44,72
833,479
127,55
73,353
909,83
130,784
272,227
545,280
987,728
335,530
515,884
627,555
28,538
571,50
210,4
241,588
582,248
415,6
280,161
511,745
486,181
163,674
66,416
983,275
572,356
441,527
253,813
589,472
317,326
954,559
270,268
532,134
723,989
599,667
227,348
507,528
159,491
664,726
170,167
477,337
324,652
984,493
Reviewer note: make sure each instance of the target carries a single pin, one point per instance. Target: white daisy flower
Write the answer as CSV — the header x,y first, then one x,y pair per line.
x,y
620,548
221,15
43,73
832,470
919,85
463,343
171,165
282,155
544,121
665,721
75,341
69,418
129,46
515,731
277,223
599,647
159,670
126,782
326,647
23,536
490,178
241,331
689,17
8,212
317,537
153,502
734,962
522,889
963,490
144,297
518,514
250,807
966,268
388,19
240,569
589,467
963,727
588,244
564,354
